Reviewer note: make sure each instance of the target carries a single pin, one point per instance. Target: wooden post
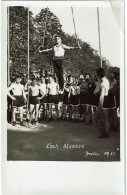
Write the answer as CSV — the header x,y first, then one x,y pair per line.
x,y
28,48
8,61
99,36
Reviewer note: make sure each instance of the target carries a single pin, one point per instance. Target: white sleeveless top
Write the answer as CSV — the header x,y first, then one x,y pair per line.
x,y
105,86
59,51
43,87
17,89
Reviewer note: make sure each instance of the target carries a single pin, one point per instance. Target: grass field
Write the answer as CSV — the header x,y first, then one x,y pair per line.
x,y
48,142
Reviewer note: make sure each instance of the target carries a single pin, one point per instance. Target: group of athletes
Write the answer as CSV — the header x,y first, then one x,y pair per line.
x,y
79,98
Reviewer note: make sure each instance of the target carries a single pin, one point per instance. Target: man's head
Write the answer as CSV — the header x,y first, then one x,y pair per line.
x,y
100,72
87,76
113,75
18,79
58,39
70,78
34,82
94,77
43,79
81,78
51,79
74,81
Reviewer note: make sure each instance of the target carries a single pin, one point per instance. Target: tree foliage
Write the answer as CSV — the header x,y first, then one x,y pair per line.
x,y
76,61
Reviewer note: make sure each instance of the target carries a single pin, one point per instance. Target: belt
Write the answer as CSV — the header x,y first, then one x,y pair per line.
x,y
17,95
59,57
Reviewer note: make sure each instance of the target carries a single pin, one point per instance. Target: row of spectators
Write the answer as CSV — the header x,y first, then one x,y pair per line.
x,y
81,100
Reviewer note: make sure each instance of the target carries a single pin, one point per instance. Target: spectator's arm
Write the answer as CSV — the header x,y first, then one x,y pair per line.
x,y
101,100
8,92
24,94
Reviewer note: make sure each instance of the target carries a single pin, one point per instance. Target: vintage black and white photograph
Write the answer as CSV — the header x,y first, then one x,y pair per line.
x,y
63,77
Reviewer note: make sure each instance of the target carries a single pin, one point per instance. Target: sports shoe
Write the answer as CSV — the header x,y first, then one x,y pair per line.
x,y
101,136
64,119
22,124
57,119
106,135
14,123
89,123
49,120
70,119
36,122
27,120
33,122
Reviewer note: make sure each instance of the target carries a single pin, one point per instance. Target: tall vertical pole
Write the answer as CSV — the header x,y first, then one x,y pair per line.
x,y
28,65
99,36
28,47
8,61
75,36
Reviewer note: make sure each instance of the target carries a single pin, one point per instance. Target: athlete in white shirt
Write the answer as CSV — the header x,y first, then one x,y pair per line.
x,y
104,103
59,51
53,89
18,99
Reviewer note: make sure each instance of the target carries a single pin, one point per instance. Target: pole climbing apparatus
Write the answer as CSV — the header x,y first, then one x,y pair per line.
x,y
43,39
75,28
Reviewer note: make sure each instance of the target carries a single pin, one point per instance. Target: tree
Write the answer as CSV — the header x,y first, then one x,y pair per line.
x,y
46,23
18,38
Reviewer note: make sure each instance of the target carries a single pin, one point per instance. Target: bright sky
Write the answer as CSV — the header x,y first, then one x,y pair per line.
x,y
87,28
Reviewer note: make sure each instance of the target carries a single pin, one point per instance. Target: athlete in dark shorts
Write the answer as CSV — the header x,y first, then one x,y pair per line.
x,y
18,99
43,101
52,91
59,51
74,92
34,100
66,102
96,98
87,101
83,97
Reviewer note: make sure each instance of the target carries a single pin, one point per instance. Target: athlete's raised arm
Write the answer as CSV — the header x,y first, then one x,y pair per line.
x,y
45,50
67,47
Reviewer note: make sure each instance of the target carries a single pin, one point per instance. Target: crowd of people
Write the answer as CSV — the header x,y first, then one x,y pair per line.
x,y
85,99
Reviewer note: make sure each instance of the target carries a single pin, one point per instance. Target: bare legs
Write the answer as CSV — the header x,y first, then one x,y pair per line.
x,y
31,111
20,114
50,111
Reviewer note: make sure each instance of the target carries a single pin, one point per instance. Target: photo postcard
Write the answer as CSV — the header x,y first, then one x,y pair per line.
x,y
62,88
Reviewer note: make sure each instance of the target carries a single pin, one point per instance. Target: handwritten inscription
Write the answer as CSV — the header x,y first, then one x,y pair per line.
x,y
82,146
91,154
109,154
52,146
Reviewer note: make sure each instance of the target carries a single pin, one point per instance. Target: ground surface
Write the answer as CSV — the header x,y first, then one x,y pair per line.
x,y
48,142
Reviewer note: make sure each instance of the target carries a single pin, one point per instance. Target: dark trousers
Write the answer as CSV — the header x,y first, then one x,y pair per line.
x,y
9,109
58,68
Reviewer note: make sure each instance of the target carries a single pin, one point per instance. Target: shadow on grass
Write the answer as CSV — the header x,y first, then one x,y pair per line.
x,y
61,141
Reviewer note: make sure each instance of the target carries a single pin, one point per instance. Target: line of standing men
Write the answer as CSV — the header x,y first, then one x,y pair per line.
x,y
76,97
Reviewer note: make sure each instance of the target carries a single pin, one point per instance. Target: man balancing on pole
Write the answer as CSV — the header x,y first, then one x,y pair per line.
x,y
58,58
